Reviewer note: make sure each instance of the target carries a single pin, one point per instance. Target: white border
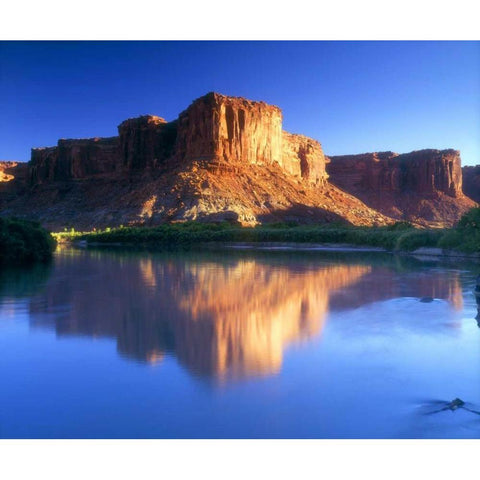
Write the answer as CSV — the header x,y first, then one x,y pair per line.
x,y
243,20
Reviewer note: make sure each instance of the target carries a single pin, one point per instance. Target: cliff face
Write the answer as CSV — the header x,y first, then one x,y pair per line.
x,y
227,158
146,142
423,172
219,131
13,176
415,186
471,182
303,157
74,159
230,129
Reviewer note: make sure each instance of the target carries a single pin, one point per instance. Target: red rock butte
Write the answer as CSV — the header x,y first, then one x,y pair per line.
x,y
226,158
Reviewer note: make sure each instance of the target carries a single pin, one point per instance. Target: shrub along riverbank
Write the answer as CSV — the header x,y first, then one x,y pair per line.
x,y
23,242
398,237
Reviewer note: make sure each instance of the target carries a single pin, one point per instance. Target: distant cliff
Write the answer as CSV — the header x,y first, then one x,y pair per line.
x,y
424,186
226,158
471,182
13,181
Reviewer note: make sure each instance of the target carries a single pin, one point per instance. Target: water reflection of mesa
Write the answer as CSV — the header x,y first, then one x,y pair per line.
x,y
239,319
224,320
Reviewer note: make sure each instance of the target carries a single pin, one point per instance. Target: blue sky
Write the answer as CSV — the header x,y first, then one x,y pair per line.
x,y
353,97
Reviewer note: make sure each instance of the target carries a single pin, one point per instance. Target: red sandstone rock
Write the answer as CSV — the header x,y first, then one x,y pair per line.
x,y
230,129
303,157
415,186
12,180
74,159
227,158
146,142
471,182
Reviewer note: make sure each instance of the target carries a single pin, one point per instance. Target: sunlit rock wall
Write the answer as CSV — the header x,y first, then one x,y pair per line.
x,y
231,130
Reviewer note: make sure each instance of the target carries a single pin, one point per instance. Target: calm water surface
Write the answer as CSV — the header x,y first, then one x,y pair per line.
x,y
238,345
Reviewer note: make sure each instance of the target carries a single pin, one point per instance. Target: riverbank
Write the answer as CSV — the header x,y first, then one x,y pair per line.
x,y
462,240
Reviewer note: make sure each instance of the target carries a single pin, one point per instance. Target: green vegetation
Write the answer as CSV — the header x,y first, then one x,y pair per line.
x,y
23,242
400,236
465,237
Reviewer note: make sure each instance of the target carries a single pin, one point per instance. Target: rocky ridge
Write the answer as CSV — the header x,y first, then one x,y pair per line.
x,y
226,158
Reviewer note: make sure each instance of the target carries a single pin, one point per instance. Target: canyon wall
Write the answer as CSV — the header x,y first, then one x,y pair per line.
x,y
235,131
303,157
230,129
471,182
146,142
13,176
224,157
215,129
415,186
74,159
425,172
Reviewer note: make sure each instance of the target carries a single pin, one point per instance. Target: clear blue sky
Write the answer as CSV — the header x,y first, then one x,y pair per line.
x,y
351,96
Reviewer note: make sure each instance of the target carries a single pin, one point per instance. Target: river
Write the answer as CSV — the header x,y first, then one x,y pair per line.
x,y
238,344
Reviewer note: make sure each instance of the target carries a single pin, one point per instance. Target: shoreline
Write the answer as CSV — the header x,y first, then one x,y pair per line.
x,y
434,252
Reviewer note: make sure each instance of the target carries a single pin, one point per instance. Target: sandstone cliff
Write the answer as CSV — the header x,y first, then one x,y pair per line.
x,y
74,159
226,158
424,186
145,142
13,180
223,158
471,182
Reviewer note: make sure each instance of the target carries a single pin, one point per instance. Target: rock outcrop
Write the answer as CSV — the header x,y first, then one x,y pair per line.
x,y
13,180
303,157
471,182
424,186
224,158
146,142
231,130
74,160
227,158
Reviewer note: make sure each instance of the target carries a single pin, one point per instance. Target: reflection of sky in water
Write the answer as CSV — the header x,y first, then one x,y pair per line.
x,y
238,345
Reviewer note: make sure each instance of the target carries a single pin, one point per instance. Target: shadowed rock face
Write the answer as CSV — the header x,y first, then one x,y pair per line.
x,y
422,172
416,186
74,159
13,181
146,142
471,182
